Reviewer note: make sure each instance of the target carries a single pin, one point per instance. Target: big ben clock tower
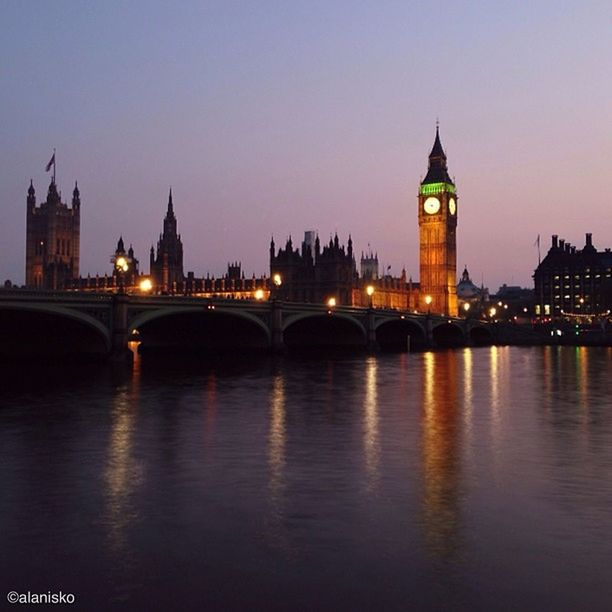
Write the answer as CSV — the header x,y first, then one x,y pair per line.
x,y
437,236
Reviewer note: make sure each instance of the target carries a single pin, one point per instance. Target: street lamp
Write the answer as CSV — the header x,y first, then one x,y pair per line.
x,y
492,312
428,300
122,265
370,292
146,285
331,302
277,280
259,294
466,308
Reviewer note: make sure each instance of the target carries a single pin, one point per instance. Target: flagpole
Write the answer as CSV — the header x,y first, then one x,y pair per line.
x,y
54,165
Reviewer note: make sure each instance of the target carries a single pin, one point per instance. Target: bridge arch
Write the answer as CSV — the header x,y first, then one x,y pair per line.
x,y
480,336
323,329
400,334
200,328
50,330
448,334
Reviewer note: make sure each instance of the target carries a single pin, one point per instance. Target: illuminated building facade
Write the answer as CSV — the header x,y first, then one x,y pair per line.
x,y
437,236
573,282
52,239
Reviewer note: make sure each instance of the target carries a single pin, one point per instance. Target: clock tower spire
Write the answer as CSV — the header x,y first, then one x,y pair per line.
x,y
437,236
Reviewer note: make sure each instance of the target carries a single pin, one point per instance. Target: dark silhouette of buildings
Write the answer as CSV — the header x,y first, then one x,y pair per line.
x,y
52,239
573,282
167,264
314,274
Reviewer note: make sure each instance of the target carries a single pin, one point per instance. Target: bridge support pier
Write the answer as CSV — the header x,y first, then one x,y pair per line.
x,y
372,345
429,338
278,343
119,348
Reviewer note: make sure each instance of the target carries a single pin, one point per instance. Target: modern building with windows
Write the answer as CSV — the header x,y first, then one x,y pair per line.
x,y
570,282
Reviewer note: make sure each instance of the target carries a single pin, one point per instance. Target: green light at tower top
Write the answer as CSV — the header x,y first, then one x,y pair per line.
x,y
433,188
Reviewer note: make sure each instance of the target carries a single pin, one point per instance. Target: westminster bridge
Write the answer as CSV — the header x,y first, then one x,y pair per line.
x,y
60,324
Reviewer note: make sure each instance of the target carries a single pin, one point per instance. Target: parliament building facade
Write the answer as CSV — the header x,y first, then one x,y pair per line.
x,y
314,272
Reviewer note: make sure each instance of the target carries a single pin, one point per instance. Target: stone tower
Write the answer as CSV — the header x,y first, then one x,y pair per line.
x,y
438,236
167,265
52,239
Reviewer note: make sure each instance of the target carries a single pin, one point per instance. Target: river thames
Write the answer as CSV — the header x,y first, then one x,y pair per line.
x,y
473,479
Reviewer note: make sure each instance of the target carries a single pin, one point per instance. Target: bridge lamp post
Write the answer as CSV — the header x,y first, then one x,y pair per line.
x,y
277,281
146,285
122,265
259,294
331,302
492,312
428,300
466,308
370,292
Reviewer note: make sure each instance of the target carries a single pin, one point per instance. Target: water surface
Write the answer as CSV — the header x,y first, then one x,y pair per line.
x,y
467,479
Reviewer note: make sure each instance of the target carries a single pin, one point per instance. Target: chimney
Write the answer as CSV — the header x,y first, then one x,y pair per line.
x,y
555,241
562,244
589,240
568,247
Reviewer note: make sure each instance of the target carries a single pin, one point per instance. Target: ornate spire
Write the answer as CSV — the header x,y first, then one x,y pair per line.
x,y
76,196
438,170
31,190
170,206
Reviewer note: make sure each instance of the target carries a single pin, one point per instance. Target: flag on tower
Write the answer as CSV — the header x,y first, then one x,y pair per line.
x,y
51,163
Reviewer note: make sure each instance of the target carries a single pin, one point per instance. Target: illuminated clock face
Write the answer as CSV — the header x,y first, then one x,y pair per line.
x,y
452,206
431,206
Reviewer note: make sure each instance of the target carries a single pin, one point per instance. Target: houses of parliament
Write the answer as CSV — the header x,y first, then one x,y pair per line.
x,y
314,272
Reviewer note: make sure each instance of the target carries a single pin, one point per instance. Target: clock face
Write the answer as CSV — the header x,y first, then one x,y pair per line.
x,y
452,206
431,206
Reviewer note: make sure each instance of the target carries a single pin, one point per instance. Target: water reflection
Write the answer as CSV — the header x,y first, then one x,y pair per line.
x,y
371,443
468,398
277,530
441,470
276,439
122,473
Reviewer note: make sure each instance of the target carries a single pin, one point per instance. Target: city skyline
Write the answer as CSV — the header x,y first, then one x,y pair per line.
x,y
271,122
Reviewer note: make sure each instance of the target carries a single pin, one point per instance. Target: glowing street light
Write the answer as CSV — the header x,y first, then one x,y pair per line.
x,y
122,264
428,300
466,308
331,302
259,294
146,285
370,292
492,312
277,280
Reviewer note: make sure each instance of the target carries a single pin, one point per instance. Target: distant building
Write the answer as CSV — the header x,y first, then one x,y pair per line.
x,y
573,282
471,295
52,239
369,265
513,302
167,263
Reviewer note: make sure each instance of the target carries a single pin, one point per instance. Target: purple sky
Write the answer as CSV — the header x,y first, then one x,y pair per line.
x,y
278,117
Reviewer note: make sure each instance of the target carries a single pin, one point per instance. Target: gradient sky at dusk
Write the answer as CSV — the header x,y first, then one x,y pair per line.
x,y
279,117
